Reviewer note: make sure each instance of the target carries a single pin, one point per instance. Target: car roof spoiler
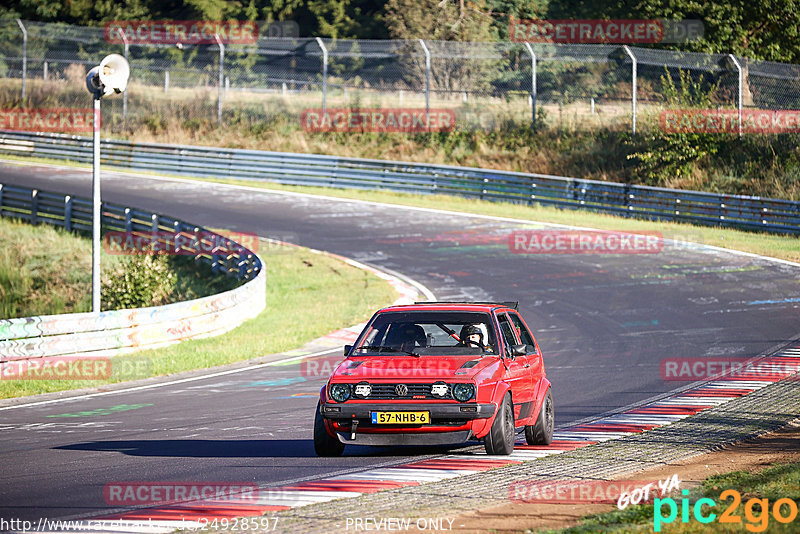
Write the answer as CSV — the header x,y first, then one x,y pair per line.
x,y
507,304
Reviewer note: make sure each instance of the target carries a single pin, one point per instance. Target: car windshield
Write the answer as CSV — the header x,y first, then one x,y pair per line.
x,y
428,333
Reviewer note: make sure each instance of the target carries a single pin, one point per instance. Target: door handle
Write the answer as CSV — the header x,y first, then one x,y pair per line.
x,y
526,365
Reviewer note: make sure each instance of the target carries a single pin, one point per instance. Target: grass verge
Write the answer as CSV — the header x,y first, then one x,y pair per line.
x,y
45,270
773,245
308,295
753,511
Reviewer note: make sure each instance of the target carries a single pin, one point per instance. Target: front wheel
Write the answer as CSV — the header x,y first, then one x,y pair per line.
x,y
500,439
542,432
324,443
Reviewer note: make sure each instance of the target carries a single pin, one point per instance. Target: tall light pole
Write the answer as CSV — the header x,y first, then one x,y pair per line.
x,y
110,77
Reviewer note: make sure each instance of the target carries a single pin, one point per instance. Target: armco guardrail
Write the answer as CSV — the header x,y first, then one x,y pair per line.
x,y
119,331
746,212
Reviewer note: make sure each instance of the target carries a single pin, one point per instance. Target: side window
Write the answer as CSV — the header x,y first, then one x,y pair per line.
x,y
523,333
508,330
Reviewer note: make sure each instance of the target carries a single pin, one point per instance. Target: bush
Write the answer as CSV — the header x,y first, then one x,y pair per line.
x,y
138,282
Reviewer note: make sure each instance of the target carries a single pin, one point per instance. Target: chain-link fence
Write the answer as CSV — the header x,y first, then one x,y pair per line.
x,y
485,84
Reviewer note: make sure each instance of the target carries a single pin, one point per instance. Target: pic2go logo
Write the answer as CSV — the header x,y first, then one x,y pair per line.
x,y
756,511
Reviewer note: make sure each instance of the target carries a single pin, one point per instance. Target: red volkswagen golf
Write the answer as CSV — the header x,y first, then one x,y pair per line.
x,y
438,373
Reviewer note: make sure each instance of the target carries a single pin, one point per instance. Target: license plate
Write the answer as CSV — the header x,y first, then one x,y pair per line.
x,y
400,418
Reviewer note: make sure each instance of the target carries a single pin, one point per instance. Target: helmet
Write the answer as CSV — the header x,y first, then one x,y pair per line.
x,y
406,335
470,330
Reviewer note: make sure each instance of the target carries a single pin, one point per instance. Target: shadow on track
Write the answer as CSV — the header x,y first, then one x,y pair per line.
x,y
251,448
203,448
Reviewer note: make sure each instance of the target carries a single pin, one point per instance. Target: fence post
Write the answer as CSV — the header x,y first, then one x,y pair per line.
x,y
427,82
125,92
633,86
34,207
533,83
741,82
324,74
68,213
24,56
166,81
221,76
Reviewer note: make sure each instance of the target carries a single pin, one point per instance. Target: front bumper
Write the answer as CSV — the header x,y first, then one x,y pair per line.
x,y
451,412
386,440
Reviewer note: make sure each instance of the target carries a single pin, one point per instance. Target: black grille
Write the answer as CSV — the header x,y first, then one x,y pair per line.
x,y
418,391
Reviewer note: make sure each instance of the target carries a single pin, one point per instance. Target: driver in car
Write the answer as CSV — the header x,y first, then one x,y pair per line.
x,y
406,337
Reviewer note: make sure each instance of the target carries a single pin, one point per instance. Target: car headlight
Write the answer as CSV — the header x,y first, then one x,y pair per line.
x,y
340,392
463,392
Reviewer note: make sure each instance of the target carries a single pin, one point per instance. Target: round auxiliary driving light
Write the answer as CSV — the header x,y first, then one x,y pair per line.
x,y
439,389
463,392
340,392
363,389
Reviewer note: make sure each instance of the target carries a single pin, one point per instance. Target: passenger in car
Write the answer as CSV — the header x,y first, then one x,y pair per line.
x,y
472,336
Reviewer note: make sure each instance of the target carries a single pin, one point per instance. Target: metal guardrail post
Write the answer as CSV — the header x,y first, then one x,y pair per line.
x,y
533,83
324,74
125,92
633,86
24,56
741,82
34,207
427,82
68,213
221,76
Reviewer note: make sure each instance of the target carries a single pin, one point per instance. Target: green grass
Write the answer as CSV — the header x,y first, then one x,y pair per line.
x,y
773,483
46,270
43,270
308,295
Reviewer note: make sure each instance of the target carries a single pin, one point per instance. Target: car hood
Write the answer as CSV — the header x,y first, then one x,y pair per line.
x,y
410,368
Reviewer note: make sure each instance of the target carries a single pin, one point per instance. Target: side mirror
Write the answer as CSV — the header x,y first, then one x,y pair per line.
x,y
347,349
518,350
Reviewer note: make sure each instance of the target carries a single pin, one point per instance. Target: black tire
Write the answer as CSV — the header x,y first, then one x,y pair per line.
x,y
500,439
324,443
542,432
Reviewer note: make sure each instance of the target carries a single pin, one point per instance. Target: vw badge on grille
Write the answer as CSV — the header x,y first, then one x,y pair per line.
x,y
401,390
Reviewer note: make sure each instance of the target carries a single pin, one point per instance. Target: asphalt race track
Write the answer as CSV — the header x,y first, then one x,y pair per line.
x,y
604,322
